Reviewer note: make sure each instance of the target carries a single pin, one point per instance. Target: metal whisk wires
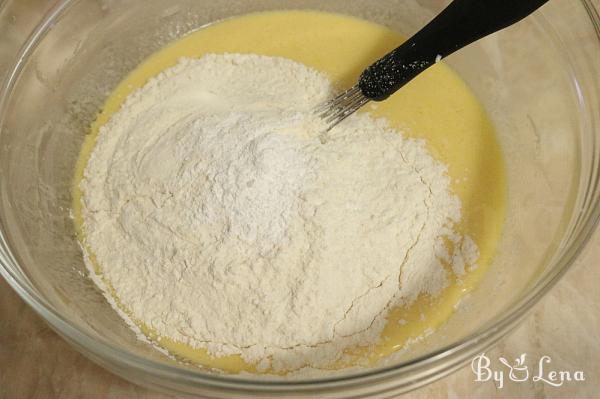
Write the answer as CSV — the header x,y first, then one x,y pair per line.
x,y
345,104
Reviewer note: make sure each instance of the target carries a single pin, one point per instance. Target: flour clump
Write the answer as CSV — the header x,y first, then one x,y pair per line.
x,y
220,221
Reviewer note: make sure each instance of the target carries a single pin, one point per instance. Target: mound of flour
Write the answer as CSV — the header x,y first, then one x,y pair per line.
x,y
222,222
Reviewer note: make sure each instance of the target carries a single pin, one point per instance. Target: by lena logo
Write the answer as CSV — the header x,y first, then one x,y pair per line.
x,y
519,371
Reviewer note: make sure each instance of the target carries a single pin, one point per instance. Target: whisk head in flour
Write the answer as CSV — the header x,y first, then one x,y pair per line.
x,y
340,107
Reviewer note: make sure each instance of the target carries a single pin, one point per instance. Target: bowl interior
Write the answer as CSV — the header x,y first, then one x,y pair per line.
x,y
525,77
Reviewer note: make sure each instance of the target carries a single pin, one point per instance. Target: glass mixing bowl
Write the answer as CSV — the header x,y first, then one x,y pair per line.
x,y
539,81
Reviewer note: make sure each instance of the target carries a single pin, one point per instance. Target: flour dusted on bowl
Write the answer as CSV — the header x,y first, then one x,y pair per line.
x,y
220,220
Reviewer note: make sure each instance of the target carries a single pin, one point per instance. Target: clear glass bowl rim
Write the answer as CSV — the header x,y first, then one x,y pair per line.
x,y
425,369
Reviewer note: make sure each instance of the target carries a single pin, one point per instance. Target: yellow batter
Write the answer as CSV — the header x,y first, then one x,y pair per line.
x,y
437,106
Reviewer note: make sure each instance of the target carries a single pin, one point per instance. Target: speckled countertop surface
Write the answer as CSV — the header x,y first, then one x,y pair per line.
x,y
36,363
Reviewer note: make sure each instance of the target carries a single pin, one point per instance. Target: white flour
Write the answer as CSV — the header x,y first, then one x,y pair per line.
x,y
222,222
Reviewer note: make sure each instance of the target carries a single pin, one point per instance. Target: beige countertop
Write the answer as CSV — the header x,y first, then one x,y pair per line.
x,y
37,363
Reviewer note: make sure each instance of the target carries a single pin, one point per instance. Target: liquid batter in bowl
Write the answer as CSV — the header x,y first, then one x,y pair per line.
x,y
436,107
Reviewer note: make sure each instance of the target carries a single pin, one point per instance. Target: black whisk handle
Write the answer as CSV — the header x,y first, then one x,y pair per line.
x,y
460,24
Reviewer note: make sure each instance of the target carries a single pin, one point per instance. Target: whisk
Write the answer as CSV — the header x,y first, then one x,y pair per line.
x,y
460,24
